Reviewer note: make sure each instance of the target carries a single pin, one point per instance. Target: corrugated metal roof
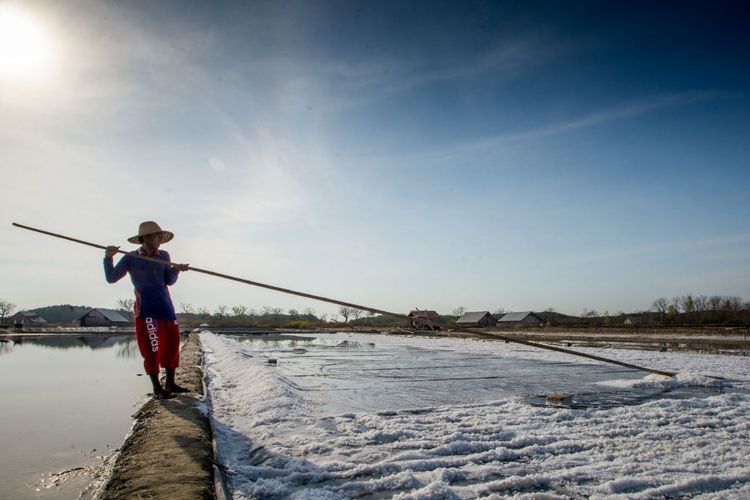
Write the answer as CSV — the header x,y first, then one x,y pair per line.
x,y
472,317
111,314
517,316
31,316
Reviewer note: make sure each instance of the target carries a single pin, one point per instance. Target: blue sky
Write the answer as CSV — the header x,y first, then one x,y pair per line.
x,y
521,155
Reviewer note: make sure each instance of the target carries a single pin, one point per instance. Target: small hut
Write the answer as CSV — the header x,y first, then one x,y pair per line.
x,y
103,317
526,318
27,318
428,315
479,318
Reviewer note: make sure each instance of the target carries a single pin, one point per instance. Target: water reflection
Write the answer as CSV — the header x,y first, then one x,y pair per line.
x,y
125,345
128,349
285,342
64,396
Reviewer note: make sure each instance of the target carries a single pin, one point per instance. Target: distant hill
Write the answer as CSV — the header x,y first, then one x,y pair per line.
x,y
64,313
556,318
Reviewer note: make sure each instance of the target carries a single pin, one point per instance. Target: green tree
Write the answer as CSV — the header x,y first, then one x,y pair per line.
x,y
672,312
688,306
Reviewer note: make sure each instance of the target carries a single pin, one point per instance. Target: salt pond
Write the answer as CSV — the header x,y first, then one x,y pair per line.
x,y
66,404
347,415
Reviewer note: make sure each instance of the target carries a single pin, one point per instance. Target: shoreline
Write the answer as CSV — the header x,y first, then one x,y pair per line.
x,y
730,340
169,452
698,342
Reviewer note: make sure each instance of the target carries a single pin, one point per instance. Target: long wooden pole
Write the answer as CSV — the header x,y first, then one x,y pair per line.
x,y
360,306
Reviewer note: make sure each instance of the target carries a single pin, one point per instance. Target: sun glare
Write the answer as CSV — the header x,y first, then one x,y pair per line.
x,y
26,50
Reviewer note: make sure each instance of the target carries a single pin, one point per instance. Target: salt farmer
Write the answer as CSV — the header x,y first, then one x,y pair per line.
x,y
156,328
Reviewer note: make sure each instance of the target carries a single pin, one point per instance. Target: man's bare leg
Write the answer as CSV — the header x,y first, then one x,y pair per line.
x,y
159,391
171,385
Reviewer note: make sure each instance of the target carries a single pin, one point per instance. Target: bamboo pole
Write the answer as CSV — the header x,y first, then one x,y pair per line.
x,y
360,306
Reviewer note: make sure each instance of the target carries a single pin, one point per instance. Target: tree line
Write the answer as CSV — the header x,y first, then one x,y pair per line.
x,y
266,314
681,310
701,310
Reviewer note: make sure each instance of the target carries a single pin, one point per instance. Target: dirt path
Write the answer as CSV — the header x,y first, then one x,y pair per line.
x,y
169,453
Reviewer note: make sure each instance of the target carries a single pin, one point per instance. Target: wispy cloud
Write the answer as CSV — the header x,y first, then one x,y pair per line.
x,y
331,85
619,112
503,60
658,248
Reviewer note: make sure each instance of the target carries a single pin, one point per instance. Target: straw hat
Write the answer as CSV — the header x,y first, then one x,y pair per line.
x,y
151,227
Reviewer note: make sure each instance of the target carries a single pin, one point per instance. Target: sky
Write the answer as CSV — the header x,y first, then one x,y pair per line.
x,y
515,155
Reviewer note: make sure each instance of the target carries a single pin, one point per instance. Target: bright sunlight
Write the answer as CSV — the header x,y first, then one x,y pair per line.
x,y
26,50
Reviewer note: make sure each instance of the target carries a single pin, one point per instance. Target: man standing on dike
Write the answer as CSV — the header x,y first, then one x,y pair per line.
x,y
156,327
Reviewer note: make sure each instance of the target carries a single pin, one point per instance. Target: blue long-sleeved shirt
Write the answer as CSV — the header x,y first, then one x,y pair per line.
x,y
152,299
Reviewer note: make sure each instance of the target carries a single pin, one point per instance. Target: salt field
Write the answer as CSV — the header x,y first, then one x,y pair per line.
x,y
351,415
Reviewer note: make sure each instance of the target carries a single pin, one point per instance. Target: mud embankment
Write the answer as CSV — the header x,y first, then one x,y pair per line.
x,y
730,341
169,452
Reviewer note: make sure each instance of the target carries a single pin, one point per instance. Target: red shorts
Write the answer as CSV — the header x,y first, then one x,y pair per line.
x,y
159,343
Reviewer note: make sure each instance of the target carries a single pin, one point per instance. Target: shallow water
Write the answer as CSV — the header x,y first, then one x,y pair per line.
x,y
354,376
66,402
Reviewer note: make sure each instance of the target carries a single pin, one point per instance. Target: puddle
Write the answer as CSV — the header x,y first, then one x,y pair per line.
x,y
352,375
